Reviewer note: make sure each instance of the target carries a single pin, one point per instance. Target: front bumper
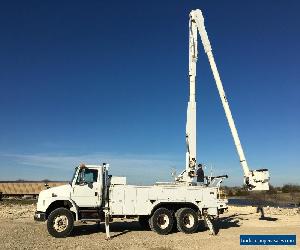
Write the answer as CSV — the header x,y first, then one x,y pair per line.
x,y
39,216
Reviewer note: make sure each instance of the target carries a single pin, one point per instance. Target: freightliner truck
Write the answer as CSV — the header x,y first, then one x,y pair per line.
x,y
94,195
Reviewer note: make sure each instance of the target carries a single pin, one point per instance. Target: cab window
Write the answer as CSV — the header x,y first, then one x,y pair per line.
x,y
87,175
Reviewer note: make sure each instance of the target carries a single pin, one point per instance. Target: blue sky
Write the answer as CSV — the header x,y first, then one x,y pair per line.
x,y
96,81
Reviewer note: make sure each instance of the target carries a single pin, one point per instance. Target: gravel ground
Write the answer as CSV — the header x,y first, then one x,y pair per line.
x,y
19,231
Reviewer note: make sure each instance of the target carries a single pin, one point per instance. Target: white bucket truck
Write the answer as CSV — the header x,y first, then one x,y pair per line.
x,y
93,195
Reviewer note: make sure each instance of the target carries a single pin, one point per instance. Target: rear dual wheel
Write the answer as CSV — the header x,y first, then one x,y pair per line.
x,y
186,220
161,221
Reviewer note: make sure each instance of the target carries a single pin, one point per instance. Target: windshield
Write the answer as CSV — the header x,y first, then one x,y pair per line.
x,y
73,175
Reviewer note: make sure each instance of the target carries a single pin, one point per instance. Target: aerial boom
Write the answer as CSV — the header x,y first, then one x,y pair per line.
x,y
191,109
254,179
197,17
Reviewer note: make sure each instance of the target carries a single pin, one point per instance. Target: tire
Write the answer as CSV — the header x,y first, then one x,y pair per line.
x,y
60,223
187,220
144,222
161,221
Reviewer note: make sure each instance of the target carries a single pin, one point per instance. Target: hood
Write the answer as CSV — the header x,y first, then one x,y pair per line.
x,y
45,196
60,191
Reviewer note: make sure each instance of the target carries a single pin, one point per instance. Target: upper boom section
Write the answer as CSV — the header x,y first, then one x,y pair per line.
x,y
255,180
197,18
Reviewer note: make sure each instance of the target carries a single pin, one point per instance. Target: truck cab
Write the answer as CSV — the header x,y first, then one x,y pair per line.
x,y
83,192
87,186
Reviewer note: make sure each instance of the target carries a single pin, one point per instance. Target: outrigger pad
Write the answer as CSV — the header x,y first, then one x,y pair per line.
x,y
209,224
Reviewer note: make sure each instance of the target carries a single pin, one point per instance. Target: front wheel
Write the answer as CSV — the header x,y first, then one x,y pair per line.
x,y
161,221
187,220
60,223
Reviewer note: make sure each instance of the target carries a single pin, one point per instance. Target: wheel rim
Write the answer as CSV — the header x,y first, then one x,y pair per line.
x,y
163,221
60,223
188,221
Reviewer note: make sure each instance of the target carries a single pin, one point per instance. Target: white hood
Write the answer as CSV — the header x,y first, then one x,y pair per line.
x,y
45,196
60,191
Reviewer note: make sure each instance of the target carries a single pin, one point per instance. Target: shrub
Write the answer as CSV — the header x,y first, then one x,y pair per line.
x,y
290,188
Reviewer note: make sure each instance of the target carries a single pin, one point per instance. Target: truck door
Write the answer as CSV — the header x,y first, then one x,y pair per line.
x,y
86,191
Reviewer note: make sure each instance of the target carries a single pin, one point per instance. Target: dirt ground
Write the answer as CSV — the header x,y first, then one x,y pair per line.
x,y
19,231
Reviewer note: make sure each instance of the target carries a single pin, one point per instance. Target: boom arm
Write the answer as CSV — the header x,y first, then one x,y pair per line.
x,y
254,179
